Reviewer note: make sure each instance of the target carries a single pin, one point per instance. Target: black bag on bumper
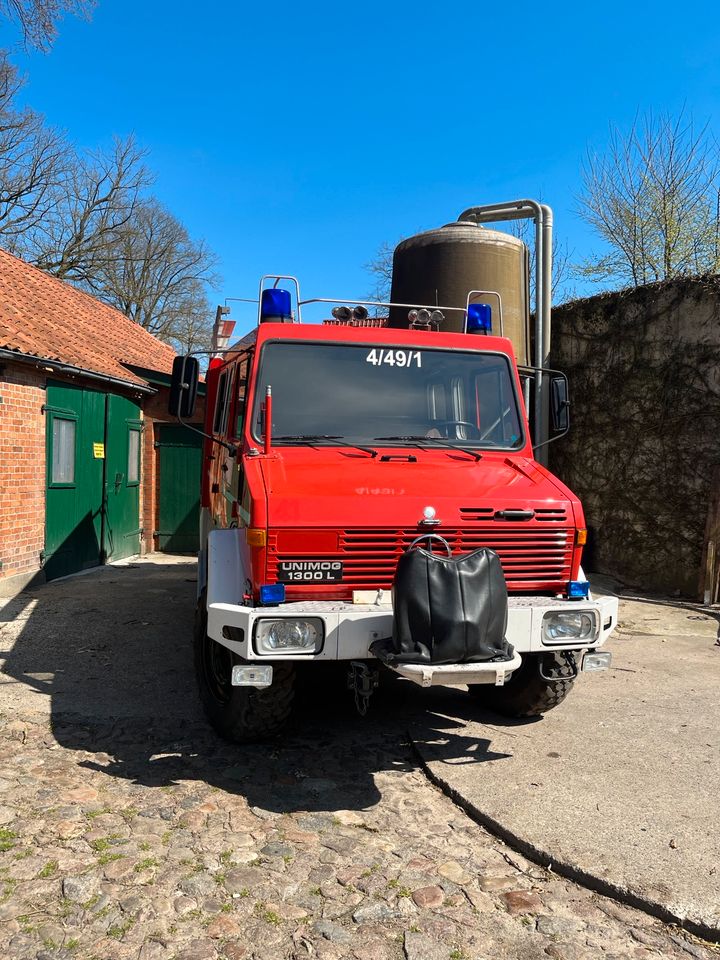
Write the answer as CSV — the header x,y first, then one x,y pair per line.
x,y
447,609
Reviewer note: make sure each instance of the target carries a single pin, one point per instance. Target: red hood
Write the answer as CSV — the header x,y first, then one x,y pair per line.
x,y
321,487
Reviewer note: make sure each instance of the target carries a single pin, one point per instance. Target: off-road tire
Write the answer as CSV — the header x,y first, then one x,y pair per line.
x,y
239,714
527,693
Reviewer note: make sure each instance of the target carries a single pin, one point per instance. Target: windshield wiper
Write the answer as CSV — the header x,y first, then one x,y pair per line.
x,y
308,438
438,441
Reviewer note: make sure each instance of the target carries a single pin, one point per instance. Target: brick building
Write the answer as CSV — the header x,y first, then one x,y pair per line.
x,y
89,472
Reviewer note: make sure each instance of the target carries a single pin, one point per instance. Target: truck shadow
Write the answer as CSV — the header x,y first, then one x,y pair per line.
x,y
109,656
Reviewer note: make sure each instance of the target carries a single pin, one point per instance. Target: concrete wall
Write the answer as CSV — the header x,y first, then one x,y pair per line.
x,y
644,448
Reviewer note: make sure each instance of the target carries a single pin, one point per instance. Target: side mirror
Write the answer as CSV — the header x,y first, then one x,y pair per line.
x,y
559,404
184,387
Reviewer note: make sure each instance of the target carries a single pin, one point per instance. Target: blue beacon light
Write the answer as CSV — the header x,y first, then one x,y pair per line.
x,y
275,306
578,589
479,318
271,594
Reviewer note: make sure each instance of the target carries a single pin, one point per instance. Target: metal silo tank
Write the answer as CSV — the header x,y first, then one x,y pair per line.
x,y
440,267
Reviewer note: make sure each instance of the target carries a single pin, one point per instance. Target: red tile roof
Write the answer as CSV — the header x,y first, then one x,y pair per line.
x,y
51,319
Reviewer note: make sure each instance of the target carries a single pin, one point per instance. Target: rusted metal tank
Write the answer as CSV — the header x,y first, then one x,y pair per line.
x,y
441,267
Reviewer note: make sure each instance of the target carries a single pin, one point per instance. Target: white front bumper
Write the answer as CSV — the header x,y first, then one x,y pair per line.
x,y
351,628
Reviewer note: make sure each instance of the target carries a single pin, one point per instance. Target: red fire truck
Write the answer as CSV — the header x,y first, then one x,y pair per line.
x,y
332,446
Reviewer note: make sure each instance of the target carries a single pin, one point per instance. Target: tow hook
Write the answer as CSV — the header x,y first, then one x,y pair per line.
x,y
363,682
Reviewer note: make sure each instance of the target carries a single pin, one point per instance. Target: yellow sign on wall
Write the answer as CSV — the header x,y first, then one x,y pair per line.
x,y
99,451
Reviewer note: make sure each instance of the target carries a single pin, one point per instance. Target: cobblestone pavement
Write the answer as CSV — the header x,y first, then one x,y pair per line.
x,y
323,847
129,830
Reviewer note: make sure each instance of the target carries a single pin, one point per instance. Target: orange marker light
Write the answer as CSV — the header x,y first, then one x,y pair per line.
x,y
256,537
580,537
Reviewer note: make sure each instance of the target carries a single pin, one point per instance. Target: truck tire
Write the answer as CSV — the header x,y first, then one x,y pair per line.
x,y
239,714
528,693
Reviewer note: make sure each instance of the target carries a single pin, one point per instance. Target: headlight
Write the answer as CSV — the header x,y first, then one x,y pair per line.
x,y
562,626
288,636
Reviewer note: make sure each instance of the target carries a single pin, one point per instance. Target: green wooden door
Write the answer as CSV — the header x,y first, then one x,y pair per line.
x,y
180,462
75,425
123,449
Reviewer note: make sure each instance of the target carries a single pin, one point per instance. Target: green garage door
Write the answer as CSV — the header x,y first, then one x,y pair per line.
x,y
180,460
122,478
74,500
93,479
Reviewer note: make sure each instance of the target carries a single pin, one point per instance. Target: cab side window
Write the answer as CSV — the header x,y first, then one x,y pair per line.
x,y
243,369
222,403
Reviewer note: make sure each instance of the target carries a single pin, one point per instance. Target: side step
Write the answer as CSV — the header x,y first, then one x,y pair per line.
x,y
435,675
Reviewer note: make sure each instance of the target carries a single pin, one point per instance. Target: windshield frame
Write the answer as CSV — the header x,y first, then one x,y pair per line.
x,y
255,431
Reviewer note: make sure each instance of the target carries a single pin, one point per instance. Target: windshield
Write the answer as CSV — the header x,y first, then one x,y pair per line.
x,y
325,392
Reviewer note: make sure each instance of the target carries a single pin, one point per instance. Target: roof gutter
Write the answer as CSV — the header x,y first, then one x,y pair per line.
x,y
66,368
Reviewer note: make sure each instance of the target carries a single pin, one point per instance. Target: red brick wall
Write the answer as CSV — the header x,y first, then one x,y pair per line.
x,y
22,469
154,408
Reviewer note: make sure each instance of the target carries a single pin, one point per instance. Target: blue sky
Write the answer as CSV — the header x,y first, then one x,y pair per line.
x,y
298,137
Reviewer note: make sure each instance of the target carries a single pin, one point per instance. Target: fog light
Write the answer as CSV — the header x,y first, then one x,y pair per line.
x,y
562,626
596,661
288,636
247,676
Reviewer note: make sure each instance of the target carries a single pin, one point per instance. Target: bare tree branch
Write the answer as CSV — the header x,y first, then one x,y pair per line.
x,y
157,275
653,198
38,19
562,269
86,218
380,268
32,160
94,201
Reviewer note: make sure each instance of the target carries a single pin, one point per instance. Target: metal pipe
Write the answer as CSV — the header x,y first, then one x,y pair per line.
x,y
542,215
547,276
268,420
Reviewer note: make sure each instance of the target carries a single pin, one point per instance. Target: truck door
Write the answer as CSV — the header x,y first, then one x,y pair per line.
x,y
221,469
238,419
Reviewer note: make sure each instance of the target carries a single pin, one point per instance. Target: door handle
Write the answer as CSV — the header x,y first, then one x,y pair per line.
x,y
514,514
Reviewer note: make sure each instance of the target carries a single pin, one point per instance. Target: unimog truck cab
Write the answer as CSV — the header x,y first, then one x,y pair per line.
x,y
333,447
